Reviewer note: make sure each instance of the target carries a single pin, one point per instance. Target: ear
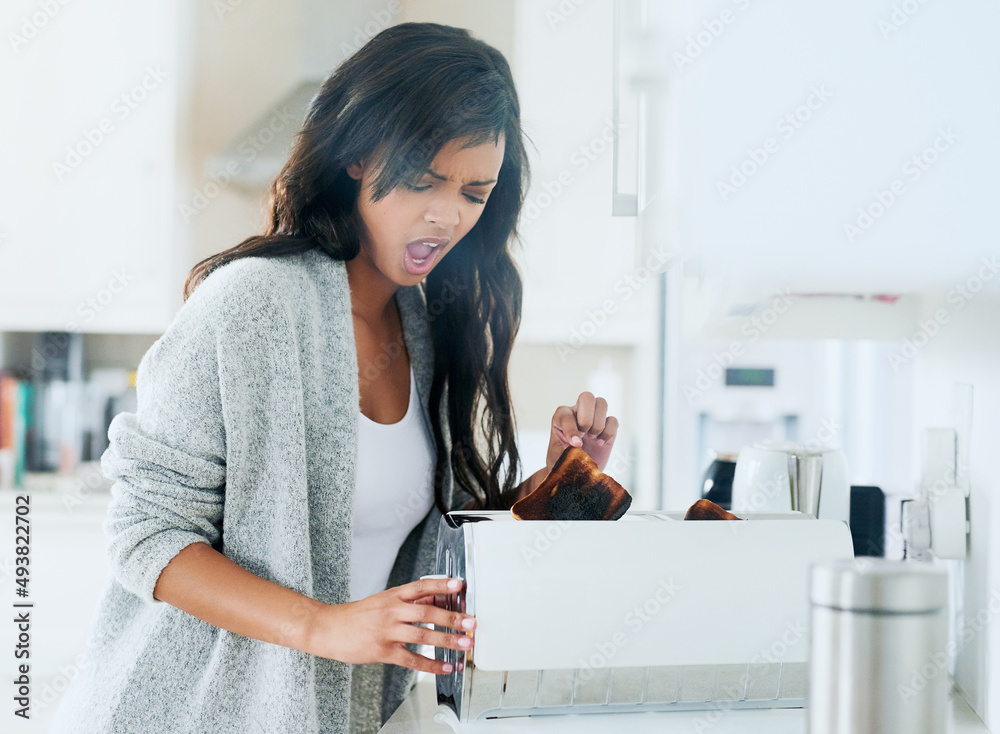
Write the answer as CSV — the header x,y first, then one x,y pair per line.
x,y
354,170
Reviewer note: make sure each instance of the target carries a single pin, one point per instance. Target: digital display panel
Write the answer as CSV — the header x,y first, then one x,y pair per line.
x,y
749,377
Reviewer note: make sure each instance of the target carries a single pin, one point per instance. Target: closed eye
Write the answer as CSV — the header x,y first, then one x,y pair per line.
x,y
470,197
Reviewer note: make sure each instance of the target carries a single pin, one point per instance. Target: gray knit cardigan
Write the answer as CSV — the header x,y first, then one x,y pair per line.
x,y
244,439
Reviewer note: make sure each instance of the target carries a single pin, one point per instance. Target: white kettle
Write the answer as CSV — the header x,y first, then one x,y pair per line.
x,y
781,476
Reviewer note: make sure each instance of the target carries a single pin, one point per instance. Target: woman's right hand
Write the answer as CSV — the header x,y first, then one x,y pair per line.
x,y
376,628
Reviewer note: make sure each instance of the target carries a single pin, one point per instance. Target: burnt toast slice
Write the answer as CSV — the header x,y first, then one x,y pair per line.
x,y
708,510
575,489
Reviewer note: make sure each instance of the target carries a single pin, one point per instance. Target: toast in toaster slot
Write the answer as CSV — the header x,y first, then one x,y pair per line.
x,y
708,510
575,489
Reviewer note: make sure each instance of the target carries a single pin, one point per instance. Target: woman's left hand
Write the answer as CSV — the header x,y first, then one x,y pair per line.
x,y
586,425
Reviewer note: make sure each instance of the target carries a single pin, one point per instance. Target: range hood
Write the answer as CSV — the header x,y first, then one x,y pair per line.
x,y
256,156
718,309
322,34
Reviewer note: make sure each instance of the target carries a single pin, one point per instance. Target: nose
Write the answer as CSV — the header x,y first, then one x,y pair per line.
x,y
442,211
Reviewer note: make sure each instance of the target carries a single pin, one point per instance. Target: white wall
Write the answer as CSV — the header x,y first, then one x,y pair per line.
x,y
491,22
586,298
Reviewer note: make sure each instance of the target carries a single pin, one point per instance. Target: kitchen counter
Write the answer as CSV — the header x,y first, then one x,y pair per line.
x,y
420,714
69,566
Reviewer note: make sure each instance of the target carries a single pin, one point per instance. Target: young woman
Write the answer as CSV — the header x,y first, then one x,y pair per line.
x,y
328,390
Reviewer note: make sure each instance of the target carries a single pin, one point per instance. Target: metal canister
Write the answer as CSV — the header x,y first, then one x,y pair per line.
x,y
879,649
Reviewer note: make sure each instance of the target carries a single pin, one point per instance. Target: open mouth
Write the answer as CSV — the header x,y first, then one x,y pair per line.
x,y
421,254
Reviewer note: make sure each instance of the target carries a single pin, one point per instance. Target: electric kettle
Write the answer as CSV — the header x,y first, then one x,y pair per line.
x,y
782,476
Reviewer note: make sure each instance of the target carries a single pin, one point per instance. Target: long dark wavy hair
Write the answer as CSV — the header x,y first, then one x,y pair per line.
x,y
395,103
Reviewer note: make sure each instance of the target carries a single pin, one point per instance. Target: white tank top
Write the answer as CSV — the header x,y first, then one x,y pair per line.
x,y
394,492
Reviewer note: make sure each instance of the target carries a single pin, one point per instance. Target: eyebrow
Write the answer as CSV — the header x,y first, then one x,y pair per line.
x,y
471,183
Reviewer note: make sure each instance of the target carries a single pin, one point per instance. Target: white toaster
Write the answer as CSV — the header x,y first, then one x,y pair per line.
x,y
647,613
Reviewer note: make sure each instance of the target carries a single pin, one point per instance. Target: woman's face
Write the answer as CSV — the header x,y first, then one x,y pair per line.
x,y
408,232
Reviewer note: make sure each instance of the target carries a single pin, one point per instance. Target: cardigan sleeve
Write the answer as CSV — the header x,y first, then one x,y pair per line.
x,y
167,460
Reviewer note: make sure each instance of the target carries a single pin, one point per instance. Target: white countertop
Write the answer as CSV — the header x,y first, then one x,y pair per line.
x,y
420,714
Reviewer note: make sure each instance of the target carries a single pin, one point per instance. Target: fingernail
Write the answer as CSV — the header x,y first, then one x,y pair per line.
x,y
446,667
464,642
576,441
468,623
600,442
454,584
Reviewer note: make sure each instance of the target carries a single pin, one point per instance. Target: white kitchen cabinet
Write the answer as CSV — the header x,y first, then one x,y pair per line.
x,y
582,281
831,147
87,224
587,302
